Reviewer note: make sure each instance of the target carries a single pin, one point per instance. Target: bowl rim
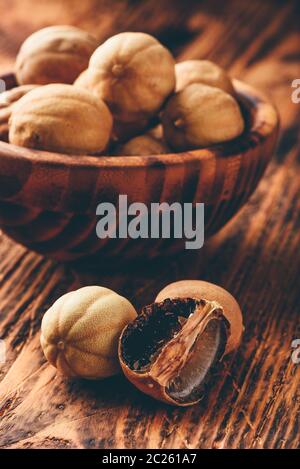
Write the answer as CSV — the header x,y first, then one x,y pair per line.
x,y
264,121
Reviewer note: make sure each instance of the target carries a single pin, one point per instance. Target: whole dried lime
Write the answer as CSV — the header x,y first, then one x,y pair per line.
x,y
56,54
61,118
200,116
142,145
80,332
202,71
133,73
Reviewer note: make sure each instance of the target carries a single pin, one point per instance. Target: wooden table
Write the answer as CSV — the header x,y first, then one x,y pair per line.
x,y
255,401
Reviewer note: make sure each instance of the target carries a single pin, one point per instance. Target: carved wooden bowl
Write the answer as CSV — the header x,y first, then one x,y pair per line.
x,y
48,200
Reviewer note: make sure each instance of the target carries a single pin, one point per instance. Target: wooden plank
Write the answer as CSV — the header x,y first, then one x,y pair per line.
x,y
255,399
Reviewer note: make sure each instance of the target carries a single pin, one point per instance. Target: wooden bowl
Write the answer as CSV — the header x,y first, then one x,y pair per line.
x,y
48,200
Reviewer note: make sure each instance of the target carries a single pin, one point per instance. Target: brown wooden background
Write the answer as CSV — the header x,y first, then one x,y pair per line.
x,y
255,400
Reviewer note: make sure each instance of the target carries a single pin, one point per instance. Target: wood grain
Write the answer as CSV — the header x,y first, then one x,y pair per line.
x,y
255,400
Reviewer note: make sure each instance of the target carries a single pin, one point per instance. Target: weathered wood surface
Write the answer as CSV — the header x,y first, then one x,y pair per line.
x,y
255,400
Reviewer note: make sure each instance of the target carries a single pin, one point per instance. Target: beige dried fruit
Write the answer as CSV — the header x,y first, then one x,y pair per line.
x,y
142,145
82,81
56,54
133,73
122,131
199,116
80,332
157,132
202,71
61,118
7,100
